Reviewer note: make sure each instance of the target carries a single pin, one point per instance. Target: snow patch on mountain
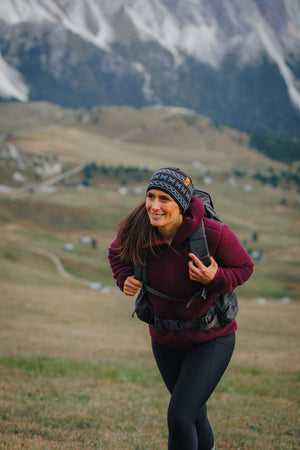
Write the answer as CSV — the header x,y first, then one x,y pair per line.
x,y
161,30
275,53
147,90
84,18
12,84
193,35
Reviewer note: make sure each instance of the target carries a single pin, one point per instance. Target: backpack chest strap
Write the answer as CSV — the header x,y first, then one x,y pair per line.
x,y
189,300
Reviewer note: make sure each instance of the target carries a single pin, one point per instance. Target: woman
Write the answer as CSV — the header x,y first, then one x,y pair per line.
x,y
191,361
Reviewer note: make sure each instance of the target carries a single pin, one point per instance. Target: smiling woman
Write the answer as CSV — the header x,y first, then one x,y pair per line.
x,y
191,358
164,213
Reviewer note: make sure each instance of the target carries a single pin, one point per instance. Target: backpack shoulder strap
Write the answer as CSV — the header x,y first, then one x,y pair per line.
x,y
140,270
198,245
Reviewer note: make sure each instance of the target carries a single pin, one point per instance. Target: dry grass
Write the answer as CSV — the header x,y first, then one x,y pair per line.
x,y
77,373
145,138
62,140
80,323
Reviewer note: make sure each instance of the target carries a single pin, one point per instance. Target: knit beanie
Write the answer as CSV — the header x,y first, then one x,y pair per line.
x,y
174,183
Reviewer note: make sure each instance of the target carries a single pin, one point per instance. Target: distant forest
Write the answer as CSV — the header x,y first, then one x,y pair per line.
x,y
285,150
125,175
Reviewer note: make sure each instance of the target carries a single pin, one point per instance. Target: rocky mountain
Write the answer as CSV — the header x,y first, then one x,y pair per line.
x,y
236,62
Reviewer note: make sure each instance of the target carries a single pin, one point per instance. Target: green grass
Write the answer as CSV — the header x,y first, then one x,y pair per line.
x,y
253,381
274,280
239,380
45,367
67,403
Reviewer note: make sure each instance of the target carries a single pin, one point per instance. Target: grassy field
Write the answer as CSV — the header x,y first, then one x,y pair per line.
x,y
76,371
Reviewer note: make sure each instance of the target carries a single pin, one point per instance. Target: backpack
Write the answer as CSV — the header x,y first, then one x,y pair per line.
x,y
222,312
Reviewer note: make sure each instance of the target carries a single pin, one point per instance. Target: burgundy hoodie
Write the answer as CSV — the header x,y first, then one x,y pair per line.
x,y
168,273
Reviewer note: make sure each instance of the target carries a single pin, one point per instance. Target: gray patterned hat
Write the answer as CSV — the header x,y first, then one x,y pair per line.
x,y
174,183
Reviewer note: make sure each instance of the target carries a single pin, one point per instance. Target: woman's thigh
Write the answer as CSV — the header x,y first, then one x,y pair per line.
x,y
192,374
169,362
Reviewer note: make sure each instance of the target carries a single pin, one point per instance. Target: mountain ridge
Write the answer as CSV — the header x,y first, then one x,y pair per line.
x,y
83,52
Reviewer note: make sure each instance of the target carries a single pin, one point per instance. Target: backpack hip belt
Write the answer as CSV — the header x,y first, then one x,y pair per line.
x,y
202,323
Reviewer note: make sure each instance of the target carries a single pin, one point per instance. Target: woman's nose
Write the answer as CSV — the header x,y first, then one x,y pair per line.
x,y
155,204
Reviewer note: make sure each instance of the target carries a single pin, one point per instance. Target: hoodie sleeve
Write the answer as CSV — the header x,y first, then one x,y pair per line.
x,y
119,269
235,265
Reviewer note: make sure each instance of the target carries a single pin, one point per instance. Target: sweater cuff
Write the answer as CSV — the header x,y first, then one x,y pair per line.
x,y
217,284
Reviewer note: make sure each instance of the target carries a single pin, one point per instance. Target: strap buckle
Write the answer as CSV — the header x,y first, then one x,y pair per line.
x,y
172,324
178,325
175,325
210,321
207,319
157,323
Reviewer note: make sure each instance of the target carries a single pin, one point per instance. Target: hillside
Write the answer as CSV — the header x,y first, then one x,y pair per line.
x,y
70,173
76,369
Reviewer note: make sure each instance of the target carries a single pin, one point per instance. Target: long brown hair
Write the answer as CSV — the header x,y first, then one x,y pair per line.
x,y
135,231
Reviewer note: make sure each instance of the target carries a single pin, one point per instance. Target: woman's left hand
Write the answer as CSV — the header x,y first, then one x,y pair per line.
x,y
199,272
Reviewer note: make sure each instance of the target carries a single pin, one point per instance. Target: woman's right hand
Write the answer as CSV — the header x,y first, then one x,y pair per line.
x,y
131,286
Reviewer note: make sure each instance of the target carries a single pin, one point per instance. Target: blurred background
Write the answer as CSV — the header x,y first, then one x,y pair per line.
x,y
94,96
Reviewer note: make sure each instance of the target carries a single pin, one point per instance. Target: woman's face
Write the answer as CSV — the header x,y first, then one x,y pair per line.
x,y
162,210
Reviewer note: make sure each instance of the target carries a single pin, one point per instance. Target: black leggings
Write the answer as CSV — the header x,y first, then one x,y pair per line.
x,y
191,375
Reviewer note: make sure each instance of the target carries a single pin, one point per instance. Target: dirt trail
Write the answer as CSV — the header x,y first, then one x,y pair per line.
x,y
63,175
59,266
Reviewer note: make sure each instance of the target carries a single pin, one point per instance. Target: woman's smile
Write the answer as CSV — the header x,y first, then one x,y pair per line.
x,y
162,210
155,215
